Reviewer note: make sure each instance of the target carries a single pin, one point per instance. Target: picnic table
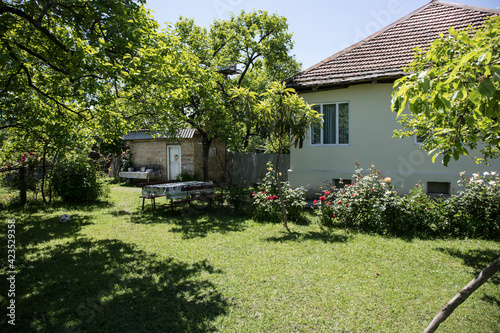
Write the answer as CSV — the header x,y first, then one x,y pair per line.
x,y
180,192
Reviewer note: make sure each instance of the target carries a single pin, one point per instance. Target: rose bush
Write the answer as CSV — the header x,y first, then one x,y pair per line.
x,y
370,203
266,204
475,211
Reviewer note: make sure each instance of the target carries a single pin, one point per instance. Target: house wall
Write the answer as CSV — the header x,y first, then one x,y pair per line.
x,y
371,128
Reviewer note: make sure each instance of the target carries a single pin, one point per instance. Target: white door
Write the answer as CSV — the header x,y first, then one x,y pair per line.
x,y
174,161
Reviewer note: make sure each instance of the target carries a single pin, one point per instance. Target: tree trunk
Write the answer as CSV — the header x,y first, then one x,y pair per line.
x,y
44,174
206,142
246,141
22,185
284,214
463,295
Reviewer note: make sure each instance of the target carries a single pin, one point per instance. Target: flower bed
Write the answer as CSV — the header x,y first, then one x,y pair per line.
x,y
370,203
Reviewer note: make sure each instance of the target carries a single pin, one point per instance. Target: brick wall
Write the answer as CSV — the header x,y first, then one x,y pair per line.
x,y
154,152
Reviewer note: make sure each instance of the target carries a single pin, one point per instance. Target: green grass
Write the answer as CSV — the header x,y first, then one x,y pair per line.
x,y
115,268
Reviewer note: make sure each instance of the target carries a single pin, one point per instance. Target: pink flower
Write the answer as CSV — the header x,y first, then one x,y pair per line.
x,y
327,192
314,202
340,202
328,203
323,198
252,195
274,197
334,216
269,198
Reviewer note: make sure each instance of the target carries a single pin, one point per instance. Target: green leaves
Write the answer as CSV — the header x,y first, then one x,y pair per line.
x,y
486,88
65,66
453,94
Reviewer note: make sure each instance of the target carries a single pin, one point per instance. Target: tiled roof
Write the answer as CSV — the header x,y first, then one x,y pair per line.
x,y
382,55
148,135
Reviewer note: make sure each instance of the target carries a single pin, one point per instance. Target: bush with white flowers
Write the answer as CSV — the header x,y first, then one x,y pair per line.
x,y
371,204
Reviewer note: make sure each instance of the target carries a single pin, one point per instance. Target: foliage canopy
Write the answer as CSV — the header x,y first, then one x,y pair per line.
x,y
452,93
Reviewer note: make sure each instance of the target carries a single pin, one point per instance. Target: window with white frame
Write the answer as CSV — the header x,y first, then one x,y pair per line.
x,y
335,130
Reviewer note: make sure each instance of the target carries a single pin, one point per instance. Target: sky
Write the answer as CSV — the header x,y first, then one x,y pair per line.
x,y
320,28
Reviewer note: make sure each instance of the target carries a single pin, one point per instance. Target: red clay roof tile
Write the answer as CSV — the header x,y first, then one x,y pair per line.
x,y
382,55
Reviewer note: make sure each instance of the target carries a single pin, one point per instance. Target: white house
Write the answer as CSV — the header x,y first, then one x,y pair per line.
x,y
353,90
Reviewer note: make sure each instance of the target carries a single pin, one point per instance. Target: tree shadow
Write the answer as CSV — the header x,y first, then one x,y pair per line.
x,y
111,286
33,207
478,260
194,221
325,237
34,229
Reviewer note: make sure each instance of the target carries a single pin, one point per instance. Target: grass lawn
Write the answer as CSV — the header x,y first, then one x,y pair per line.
x,y
115,268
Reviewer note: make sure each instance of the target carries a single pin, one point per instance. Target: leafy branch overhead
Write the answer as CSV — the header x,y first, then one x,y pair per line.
x,y
452,94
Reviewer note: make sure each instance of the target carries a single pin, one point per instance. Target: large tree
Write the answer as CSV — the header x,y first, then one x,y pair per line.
x,y
196,68
452,94
63,65
453,98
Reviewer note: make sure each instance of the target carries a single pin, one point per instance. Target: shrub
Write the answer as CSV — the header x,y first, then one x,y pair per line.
x,y
239,196
75,180
266,201
415,214
126,158
358,204
475,211
371,204
187,177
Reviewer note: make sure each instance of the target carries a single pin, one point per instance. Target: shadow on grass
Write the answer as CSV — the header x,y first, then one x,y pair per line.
x,y
325,237
478,260
33,207
33,229
111,286
194,220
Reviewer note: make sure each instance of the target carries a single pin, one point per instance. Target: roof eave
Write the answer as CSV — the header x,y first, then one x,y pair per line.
x,y
341,84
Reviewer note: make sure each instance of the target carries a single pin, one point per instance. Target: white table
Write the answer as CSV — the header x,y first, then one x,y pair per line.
x,y
174,190
140,175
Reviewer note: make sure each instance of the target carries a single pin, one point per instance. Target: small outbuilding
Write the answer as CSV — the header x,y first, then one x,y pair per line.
x,y
161,156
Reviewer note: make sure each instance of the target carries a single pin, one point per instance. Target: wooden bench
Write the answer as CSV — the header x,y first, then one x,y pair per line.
x,y
152,197
205,196
195,193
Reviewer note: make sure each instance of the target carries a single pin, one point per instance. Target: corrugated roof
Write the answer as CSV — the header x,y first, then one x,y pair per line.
x,y
383,54
187,133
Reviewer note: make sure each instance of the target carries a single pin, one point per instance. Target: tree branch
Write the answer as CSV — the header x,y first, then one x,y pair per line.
x,y
36,55
459,298
34,23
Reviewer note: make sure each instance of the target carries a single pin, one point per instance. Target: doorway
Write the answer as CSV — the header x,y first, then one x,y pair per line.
x,y
174,161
